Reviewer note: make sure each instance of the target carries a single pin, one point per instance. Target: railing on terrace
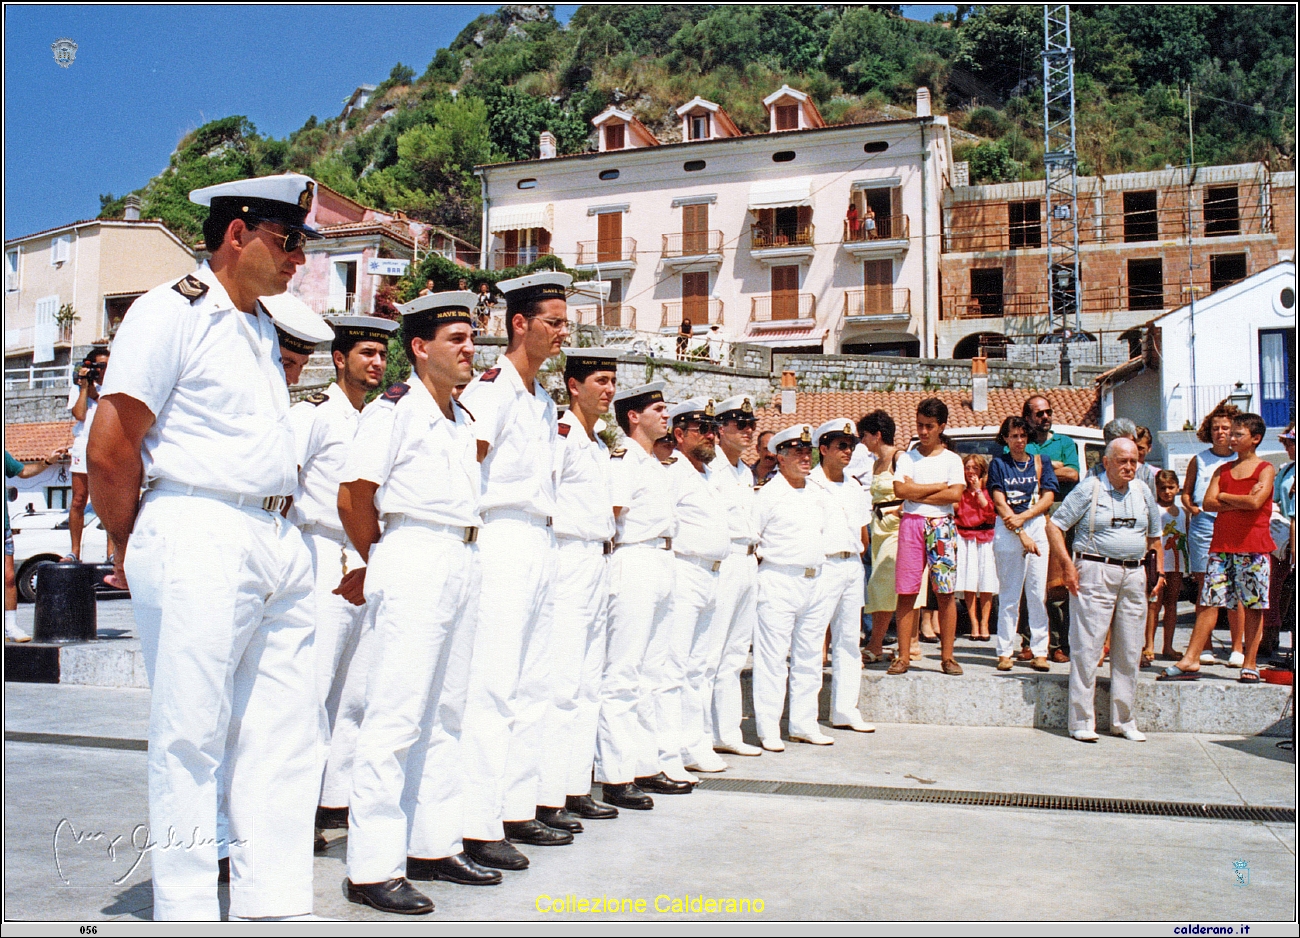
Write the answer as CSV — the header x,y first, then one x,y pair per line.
x,y
503,259
1096,299
877,301
890,228
1272,400
779,236
38,376
692,243
701,311
609,316
610,251
778,306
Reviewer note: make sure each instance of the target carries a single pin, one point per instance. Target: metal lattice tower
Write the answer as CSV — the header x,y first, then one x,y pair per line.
x,y
1060,159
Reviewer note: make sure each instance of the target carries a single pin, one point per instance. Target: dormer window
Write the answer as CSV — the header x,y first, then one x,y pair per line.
x,y
790,109
699,126
704,120
620,130
787,117
614,136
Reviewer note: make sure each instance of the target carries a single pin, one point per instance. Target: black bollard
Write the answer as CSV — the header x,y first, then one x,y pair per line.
x,y
65,603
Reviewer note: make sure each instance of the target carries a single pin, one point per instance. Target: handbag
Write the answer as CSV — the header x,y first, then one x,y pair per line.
x,y
1152,571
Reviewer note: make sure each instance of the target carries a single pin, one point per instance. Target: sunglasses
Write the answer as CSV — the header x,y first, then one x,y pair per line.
x,y
702,427
1123,522
842,445
1043,413
290,240
743,423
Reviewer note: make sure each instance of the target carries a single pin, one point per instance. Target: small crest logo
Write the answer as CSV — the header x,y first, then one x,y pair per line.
x,y
1241,870
305,197
65,51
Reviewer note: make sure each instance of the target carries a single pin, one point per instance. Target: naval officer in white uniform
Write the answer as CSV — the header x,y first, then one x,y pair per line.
x,y
840,586
324,425
194,409
584,529
510,684
413,466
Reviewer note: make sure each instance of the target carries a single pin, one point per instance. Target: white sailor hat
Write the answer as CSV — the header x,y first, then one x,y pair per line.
x,y
448,307
581,362
301,329
363,328
639,398
284,199
739,406
799,433
840,426
543,285
695,407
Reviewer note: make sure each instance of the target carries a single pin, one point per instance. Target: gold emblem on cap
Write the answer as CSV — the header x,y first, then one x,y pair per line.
x,y
304,197
746,407
708,408
805,437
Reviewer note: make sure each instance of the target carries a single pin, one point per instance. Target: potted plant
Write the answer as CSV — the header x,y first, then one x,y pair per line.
x,y
64,318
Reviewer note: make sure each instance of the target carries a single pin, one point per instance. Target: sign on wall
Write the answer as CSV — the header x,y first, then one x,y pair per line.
x,y
387,266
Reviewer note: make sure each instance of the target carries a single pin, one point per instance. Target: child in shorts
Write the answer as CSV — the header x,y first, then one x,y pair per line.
x,y
1173,540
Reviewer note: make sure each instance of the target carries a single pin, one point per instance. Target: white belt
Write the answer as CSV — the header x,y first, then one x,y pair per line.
x,y
842,555
658,543
791,569
324,530
605,547
743,547
272,503
395,520
514,514
712,566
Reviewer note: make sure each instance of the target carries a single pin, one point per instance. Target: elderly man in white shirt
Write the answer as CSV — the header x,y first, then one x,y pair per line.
x,y
791,522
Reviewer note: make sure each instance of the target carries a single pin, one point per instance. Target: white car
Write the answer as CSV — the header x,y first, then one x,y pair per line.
x,y
44,536
984,440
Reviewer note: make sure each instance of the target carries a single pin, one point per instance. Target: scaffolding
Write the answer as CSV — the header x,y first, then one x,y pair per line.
x,y
1060,160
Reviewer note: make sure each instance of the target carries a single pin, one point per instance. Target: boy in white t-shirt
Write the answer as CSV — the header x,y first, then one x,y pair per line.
x,y
931,479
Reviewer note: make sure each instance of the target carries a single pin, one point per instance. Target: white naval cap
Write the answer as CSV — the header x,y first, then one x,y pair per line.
x,y
695,407
739,406
543,285
301,329
799,433
451,306
581,362
363,328
840,425
639,398
284,199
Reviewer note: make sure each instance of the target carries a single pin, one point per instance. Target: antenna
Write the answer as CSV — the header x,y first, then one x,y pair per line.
x,y
1060,160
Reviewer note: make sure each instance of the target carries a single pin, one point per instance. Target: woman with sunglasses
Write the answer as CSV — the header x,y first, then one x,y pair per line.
x,y
877,430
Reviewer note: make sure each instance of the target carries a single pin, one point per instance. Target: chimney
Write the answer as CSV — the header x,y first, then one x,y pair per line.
x,y
546,145
132,212
788,384
922,102
979,376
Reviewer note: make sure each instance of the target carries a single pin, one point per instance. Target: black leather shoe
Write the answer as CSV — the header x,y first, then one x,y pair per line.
x,y
559,819
628,795
396,896
536,833
585,806
661,784
331,819
321,844
458,869
223,869
498,854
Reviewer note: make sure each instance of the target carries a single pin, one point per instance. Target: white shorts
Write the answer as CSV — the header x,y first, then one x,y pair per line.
x,y
976,571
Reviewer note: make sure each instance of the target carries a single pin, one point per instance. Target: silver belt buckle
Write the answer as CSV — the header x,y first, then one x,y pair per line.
x,y
809,572
471,535
274,503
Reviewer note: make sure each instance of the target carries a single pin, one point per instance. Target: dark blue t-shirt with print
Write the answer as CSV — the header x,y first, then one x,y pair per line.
x,y
1016,481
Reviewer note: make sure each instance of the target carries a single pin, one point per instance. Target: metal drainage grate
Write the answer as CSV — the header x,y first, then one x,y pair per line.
x,y
83,742
1005,799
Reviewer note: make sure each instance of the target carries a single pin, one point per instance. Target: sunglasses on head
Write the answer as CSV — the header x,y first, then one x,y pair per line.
x,y
290,240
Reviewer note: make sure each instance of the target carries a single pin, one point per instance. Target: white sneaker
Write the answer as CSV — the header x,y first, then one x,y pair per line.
x,y
738,749
1236,659
858,725
1084,736
681,775
1207,657
15,634
707,762
1132,735
774,745
816,738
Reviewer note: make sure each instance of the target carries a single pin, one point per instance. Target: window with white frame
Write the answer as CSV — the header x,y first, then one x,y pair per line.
x,y
12,259
60,249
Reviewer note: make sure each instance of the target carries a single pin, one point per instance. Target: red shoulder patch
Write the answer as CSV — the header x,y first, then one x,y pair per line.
x,y
490,375
396,392
565,428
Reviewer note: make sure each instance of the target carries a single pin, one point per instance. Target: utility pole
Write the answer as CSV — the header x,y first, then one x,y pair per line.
x,y
1191,260
1061,160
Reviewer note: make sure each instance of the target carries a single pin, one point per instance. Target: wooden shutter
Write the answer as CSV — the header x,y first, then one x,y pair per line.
x,y
894,229
804,234
785,292
695,229
511,241
878,281
787,116
543,241
609,234
695,297
613,136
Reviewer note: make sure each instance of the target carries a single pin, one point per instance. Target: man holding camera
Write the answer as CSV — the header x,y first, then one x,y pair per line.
x,y
82,402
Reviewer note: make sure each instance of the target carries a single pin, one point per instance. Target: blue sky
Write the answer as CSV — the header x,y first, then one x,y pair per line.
x,y
146,75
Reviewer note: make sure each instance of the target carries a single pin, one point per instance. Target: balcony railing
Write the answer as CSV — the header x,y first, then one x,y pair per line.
x,y
692,243
503,259
610,316
889,228
31,376
778,306
1110,298
610,251
704,310
779,236
878,301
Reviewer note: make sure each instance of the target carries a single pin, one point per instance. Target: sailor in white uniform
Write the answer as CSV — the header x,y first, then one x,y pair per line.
x,y
299,329
584,529
413,466
840,586
194,409
791,519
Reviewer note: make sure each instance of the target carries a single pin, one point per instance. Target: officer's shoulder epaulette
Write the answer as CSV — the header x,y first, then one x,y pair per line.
x,y
396,392
316,398
617,453
669,461
190,287
467,410
490,375
564,429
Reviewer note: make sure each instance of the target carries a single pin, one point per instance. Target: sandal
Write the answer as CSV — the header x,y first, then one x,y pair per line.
x,y
1148,658
1175,673
1248,676
870,657
898,666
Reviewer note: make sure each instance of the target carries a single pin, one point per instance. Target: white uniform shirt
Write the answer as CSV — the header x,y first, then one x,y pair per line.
x,y
735,488
701,517
583,505
942,467
212,378
640,485
790,523
425,465
520,430
861,467
848,512
323,436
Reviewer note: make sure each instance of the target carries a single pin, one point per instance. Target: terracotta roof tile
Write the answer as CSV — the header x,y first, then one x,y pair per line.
x,y
28,442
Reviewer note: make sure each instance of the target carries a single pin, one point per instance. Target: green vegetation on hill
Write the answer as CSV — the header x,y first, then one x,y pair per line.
x,y
513,73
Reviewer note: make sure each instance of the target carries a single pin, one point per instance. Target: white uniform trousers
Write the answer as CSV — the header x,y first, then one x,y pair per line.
x,y
1019,571
510,686
423,588
577,660
339,627
790,623
839,590
696,639
640,620
736,617
1110,597
223,605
